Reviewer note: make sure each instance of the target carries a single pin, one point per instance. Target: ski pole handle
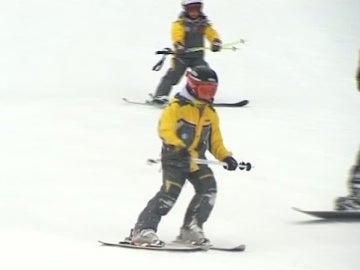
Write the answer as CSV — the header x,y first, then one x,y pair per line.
x,y
165,51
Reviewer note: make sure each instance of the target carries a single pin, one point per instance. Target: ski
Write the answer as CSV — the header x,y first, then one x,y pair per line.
x,y
177,247
240,103
238,248
145,103
125,244
209,246
332,214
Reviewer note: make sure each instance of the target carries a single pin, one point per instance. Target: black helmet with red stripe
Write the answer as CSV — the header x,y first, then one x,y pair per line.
x,y
202,83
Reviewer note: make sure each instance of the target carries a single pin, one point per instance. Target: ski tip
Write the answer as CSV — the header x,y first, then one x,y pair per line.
x,y
240,103
241,247
238,248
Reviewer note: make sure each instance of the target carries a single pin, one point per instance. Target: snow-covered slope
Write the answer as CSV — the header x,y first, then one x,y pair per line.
x,y
73,155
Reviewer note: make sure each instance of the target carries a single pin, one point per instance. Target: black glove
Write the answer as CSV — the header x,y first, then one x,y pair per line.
x,y
231,162
179,48
216,45
175,157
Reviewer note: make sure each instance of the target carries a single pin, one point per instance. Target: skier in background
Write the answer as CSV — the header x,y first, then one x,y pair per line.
x,y
188,127
352,201
188,31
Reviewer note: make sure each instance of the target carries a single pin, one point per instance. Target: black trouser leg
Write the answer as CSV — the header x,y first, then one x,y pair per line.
x,y
203,201
172,77
163,201
354,180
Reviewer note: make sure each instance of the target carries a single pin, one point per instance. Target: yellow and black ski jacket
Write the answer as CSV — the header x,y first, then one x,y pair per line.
x,y
184,123
191,33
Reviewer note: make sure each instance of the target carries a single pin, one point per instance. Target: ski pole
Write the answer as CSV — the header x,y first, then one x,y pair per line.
x,y
242,165
197,49
236,42
167,51
160,63
225,46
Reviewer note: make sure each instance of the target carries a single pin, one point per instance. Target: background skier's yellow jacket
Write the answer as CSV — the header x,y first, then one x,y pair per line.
x,y
191,33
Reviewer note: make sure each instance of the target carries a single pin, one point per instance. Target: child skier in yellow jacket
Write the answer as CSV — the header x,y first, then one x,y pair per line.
x,y
189,126
187,32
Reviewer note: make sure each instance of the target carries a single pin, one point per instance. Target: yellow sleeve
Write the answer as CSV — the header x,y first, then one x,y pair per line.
x,y
217,147
167,126
211,34
178,32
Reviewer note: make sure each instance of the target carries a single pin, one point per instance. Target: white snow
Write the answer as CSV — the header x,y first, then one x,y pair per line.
x,y
73,155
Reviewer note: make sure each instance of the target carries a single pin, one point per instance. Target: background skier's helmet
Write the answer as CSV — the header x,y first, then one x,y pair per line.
x,y
192,4
202,83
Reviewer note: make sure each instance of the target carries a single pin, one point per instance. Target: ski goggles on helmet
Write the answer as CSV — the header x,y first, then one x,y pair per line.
x,y
202,90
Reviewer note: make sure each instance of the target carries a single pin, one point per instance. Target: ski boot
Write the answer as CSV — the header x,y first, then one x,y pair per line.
x,y
144,237
193,235
349,203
